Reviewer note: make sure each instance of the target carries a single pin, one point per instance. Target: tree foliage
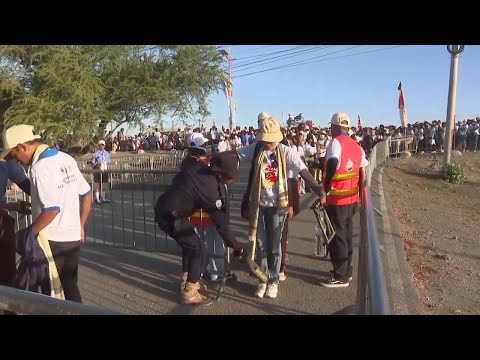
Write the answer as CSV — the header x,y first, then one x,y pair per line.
x,y
80,89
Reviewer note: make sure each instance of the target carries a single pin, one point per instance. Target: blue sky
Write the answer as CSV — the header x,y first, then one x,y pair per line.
x,y
363,84
359,80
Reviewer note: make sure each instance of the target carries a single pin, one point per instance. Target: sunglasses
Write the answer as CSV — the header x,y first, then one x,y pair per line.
x,y
273,160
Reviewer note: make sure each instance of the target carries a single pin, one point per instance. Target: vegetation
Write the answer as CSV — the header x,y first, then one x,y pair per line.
x,y
453,173
73,92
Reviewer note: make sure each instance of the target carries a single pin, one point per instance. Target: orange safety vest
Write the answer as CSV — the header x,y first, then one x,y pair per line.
x,y
344,184
200,217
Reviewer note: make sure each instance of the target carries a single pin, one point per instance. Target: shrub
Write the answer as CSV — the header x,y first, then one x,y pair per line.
x,y
453,173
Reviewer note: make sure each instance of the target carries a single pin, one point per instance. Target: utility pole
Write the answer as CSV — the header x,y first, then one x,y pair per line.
x,y
455,50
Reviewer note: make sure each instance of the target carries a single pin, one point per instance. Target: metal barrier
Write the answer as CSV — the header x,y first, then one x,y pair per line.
x,y
372,296
127,220
161,160
398,145
28,303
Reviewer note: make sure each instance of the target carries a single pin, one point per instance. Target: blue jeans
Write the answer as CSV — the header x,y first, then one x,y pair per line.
x,y
269,241
213,242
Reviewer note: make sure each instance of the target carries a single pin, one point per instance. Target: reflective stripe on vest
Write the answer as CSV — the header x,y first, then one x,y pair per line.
x,y
201,218
344,184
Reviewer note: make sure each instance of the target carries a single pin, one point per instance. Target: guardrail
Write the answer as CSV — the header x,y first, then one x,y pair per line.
x,y
28,303
372,295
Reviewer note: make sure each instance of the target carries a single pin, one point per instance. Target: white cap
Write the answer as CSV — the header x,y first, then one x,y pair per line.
x,y
17,134
197,140
340,119
101,142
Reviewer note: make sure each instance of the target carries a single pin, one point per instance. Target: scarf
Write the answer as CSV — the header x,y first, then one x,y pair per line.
x,y
256,187
55,284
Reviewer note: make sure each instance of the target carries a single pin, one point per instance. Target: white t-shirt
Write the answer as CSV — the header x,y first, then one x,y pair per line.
x,y
222,146
269,174
59,184
334,151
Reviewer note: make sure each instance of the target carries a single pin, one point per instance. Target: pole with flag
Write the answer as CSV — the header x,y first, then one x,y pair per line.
x,y
228,85
401,107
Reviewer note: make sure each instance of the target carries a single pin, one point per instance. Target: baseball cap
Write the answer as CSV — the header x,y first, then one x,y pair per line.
x,y
340,119
101,142
197,140
14,135
227,163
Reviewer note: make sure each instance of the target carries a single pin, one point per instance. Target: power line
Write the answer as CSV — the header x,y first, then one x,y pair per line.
x,y
315,61
283,57
269,53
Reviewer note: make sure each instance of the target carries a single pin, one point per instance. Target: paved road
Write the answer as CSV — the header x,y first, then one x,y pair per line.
x,y
146,282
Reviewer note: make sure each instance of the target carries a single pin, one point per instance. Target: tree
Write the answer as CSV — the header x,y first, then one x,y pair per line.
x,y
81,89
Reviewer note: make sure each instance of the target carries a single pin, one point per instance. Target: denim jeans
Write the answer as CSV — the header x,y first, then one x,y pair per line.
x,y
213,242
269,239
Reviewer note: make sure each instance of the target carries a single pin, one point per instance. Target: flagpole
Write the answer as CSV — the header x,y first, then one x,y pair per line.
x,y
230,119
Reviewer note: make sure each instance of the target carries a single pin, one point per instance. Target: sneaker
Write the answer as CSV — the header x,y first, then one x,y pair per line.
x,y
98,201
282,276
260,293
272,291
349,279
334,283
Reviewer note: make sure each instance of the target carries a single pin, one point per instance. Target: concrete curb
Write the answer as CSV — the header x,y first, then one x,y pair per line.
x,y
403,295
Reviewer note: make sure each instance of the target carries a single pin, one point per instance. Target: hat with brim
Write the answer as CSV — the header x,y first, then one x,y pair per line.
x,y
227,163
269,129
14,135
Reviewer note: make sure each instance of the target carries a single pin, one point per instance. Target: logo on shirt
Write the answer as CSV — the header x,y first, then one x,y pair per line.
x,y
271,176
218,204
349,166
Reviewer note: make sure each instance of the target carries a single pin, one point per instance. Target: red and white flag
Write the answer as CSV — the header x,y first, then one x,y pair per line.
x,y
401,107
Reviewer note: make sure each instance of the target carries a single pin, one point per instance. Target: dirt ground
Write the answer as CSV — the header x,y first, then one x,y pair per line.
x,y
440,225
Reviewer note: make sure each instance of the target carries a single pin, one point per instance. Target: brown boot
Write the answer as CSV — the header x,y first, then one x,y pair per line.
x,y
191,296
203,286
183,279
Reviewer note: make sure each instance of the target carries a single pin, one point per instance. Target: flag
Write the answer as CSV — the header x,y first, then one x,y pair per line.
x,y
359,125
401,107
226,87
230,88
235,109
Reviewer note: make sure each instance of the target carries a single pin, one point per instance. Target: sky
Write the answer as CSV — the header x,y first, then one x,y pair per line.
x,y
355,79
357,84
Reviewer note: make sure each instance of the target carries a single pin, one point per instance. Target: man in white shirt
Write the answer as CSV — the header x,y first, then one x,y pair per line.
x,y
61,200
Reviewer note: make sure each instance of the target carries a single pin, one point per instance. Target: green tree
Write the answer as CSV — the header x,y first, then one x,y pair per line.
x,y
79,90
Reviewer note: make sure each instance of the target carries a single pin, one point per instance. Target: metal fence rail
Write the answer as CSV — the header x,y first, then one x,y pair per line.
x,y
398,145
372,295
28,303
127,220
161,160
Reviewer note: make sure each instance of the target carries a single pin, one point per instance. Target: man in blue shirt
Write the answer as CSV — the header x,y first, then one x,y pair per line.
x,y
99,161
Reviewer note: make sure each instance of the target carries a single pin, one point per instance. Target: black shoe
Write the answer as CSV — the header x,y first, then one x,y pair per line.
x,y
350,278
334,283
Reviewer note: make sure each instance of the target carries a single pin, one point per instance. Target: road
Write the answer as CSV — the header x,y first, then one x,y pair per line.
x,y
145,280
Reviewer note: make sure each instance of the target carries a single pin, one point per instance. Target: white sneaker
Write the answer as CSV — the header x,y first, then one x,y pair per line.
x,y
282,276
272,291
260,293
